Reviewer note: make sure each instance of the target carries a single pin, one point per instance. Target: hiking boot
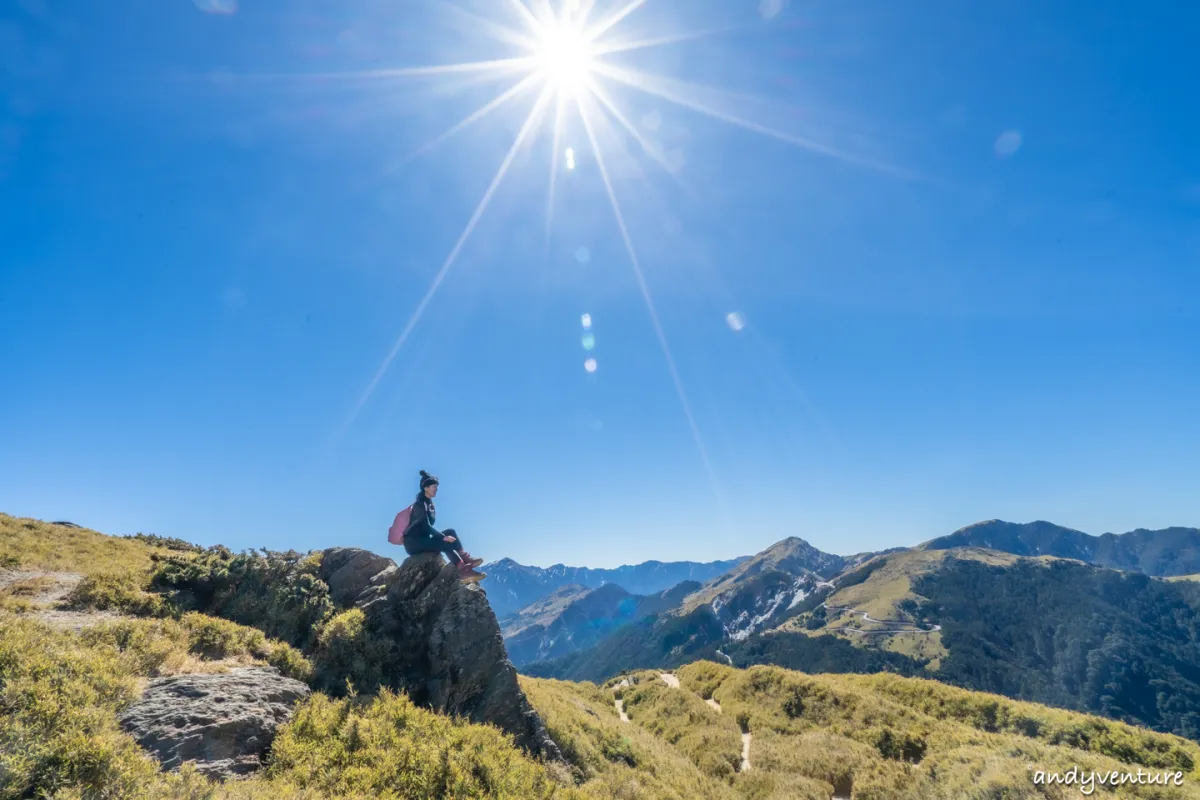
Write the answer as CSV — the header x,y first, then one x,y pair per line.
x,y
470,575
471,560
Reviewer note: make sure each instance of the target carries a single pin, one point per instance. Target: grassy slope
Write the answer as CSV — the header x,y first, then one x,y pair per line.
x,y
882,736
883,591
891,737
882,594
30,544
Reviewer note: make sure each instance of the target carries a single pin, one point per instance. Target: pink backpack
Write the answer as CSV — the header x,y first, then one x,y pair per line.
x,y
399,526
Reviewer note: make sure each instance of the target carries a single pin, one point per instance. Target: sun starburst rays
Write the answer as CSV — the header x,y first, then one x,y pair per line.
x,y
564,50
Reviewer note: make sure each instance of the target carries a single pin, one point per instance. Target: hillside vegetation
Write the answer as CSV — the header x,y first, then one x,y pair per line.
x,y
1044,629
1162,553
708,730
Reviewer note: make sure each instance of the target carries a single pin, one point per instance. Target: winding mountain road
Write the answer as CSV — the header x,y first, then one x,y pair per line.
x,y
899,626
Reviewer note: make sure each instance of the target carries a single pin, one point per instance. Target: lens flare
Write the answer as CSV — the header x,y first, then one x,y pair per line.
x,y
562,56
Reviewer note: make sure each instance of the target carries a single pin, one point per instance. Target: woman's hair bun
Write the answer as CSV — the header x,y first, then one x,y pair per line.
x,y
424,474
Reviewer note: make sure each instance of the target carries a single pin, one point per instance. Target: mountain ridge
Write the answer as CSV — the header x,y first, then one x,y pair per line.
x,y
903,611
1165,552
512,586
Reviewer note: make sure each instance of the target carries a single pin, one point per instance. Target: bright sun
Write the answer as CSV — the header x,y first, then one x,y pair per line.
x,y
565,56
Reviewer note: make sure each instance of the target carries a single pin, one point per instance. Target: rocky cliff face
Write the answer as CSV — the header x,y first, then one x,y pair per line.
x,y
442,641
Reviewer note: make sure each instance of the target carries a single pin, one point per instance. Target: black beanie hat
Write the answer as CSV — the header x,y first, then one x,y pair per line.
x,y
427,479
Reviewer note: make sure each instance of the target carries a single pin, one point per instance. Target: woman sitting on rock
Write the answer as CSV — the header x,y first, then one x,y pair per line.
x,y
421,537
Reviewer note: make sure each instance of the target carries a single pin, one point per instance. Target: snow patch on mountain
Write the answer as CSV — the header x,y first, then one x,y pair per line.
x,y
741,614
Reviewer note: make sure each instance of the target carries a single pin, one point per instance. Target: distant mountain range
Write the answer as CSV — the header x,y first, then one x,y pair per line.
x,y
575,618
1163,553
511,586
997,606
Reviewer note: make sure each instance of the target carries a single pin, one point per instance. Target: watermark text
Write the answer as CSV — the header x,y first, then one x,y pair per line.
x,y
1087,781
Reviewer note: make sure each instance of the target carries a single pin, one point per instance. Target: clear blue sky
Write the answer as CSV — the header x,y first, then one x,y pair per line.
x,y
207,250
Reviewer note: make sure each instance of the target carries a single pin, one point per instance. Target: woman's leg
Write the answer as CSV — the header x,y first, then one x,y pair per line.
x,y
460,550
451,549
432,544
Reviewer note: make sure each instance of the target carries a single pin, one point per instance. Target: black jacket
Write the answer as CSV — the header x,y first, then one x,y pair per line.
x,y
420,522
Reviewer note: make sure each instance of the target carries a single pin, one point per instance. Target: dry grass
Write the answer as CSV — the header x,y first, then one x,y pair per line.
x,y
29,588
31,544
614,759
891,737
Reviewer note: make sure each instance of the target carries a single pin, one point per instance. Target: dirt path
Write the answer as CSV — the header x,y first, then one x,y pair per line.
x,y
669,679
618,703
712,701
46,592
745,752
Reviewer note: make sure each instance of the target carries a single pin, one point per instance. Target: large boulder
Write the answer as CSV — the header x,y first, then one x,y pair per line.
x,y
348,571
442,642
225,723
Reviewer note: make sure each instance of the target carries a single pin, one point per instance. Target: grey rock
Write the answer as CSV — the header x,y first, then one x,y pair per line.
x,y
348,571
224,723
444,647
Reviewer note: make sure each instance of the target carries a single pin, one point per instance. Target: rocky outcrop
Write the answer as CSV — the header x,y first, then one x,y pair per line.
x,y
348,571
224,723
442,641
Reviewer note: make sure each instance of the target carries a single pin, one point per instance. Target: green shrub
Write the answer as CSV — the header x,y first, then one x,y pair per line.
x,y
279,593
346,652
213,638
150,646
153,647
165,542
391,747
123,591
903,746
58,704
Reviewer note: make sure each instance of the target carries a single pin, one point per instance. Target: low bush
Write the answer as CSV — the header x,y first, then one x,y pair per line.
x,y
123,591
153,647
346,653
58,704
391,747
279,593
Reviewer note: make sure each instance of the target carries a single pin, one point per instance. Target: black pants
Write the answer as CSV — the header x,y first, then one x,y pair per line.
x,y
435,544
